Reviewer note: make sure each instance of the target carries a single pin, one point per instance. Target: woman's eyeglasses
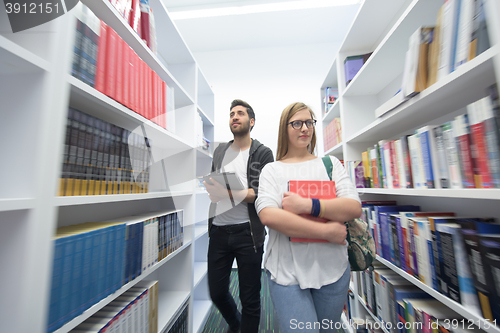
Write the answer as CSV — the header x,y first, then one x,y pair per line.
x,y
297,124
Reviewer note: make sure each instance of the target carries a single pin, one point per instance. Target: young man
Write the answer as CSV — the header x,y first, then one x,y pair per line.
x,y
234,227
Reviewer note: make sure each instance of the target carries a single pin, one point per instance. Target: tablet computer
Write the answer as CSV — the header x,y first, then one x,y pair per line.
x,y
232,181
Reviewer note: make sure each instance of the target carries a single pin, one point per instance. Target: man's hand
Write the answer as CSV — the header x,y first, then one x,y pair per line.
x,y
216,191
294,203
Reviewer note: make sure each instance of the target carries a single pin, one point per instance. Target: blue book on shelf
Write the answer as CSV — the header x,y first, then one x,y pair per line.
x,y
384,227
400,244
55,289
101,273
140,247
425,143
110,258
118,273
66,279
94,265
87,238
76,279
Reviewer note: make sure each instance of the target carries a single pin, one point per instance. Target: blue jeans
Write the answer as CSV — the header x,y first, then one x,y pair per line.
x,y
227,243
309,310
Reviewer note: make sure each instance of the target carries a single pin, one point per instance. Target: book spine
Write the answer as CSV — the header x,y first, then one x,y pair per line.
x,y
394,165
400,244
480,139
415,162
468,295
492,140
394,243
110,67
452,155
449,269
424,134
471,241
444,179
465,155
413,251
406,161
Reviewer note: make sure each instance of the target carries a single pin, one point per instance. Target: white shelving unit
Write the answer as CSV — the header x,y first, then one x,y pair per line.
x,y
384,27
36,90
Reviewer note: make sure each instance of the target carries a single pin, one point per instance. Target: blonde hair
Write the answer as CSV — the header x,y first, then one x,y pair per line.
x,y
288,113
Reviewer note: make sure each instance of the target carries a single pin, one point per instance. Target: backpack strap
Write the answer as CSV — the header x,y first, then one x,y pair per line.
x,y
327,161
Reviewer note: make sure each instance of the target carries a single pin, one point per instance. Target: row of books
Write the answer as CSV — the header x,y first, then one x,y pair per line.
x,y
139,15
461,153
460,34
106,62
332,134
456,256
401,307
181,323
136,310
101,158
92,260
331,96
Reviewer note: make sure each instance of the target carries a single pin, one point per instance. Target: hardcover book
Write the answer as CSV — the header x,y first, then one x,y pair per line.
x,y
317,189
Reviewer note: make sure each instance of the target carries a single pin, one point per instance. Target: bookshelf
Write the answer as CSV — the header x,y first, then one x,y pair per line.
x,y
384,27
36,89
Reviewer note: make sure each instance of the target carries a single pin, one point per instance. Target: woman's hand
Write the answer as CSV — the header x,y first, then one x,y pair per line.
x,y
294,203
336,232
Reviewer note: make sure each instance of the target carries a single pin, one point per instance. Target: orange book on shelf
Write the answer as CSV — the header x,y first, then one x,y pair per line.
x,y
317,189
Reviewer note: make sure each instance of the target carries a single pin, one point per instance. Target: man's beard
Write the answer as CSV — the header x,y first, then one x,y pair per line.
x,y
241,130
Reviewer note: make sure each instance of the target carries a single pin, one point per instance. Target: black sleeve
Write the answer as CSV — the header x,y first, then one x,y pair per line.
x,y
267,157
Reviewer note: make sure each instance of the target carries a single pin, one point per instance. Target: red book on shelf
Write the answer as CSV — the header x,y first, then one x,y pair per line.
x,y
153,96
134,84
462,137
164,104
141,108
126,75
394,165
137,89
482,175
158,101
316,189
100,75
145,10
110,69
135,14
119,70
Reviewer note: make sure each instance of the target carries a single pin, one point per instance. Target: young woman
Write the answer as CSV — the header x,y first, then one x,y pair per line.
x,y
308,281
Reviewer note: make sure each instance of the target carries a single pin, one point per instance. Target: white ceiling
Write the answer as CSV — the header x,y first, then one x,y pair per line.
x,y
258,30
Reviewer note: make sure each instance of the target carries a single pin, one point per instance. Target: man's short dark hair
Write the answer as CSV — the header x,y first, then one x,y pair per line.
x,y
251,114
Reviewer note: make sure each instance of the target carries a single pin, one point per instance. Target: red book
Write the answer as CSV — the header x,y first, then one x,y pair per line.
x,y
126,75
141,108
110,68
316,189
119,71
149,92
133,85
159,100
464,151
136,82
394,165
164,104
100,75
482,175
153,96
145,10
135,14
